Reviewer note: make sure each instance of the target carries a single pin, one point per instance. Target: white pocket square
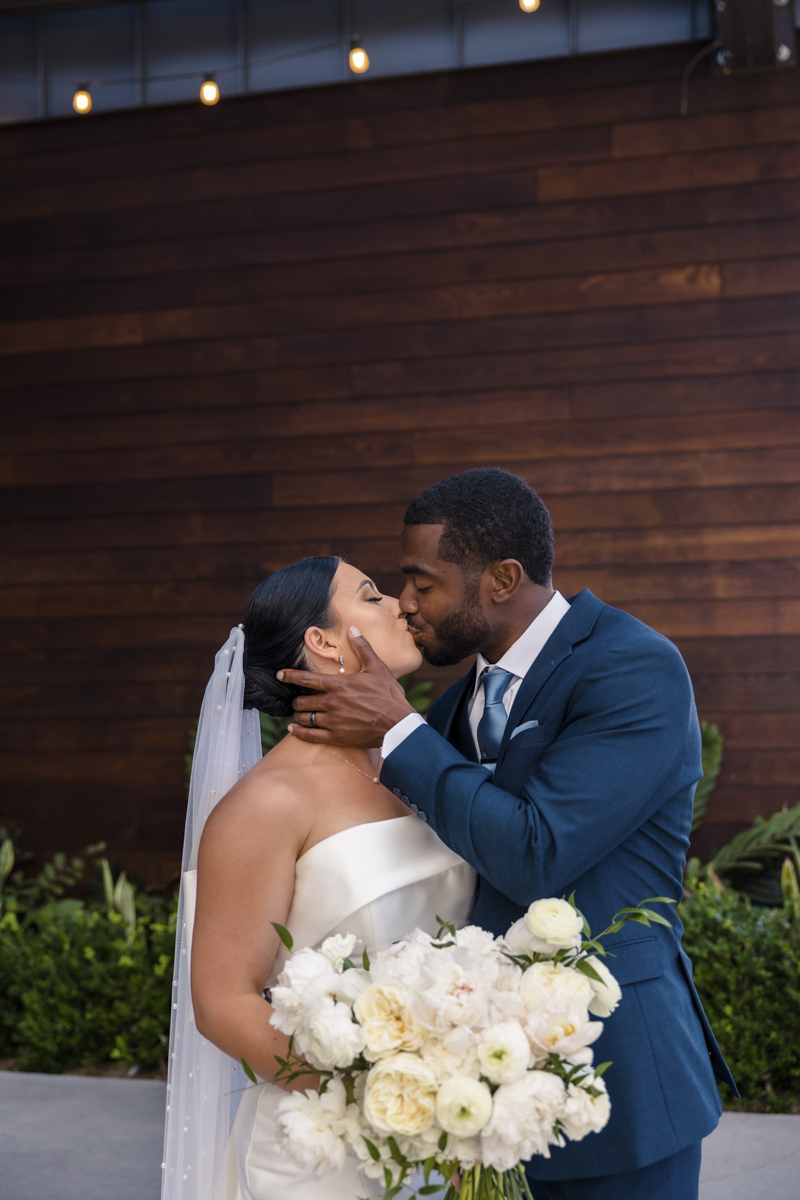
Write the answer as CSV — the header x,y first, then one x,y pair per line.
x,y
523,727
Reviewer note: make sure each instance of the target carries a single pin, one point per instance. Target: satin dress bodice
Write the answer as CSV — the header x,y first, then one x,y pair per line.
x,y
378,881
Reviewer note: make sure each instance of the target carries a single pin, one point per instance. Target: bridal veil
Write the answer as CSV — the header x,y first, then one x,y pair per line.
x,y
205,1085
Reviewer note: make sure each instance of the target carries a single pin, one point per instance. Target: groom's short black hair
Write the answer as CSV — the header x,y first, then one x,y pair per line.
x,y
488,514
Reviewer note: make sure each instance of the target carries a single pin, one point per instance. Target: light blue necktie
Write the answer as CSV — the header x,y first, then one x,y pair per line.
x,y
492,724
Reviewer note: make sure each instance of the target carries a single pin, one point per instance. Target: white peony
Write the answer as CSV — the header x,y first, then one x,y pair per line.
x,y
477,939
452,988
289,994
445,1062
546,979
344,988
463,1106
553,925
559,1027
584,1113
403,959
400,1095
607,993
329,1037
504,1053
383,1012
523,1120
338,947
316,1129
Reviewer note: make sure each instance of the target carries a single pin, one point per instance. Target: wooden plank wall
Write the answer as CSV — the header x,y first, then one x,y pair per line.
x,y
234,336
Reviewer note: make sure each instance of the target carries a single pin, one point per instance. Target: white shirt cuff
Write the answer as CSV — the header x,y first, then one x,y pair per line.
x,y
399,732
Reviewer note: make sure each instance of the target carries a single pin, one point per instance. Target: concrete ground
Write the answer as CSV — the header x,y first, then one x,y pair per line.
x,y
67,1137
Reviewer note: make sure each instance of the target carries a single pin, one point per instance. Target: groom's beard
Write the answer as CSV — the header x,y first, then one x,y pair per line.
x,y
459,635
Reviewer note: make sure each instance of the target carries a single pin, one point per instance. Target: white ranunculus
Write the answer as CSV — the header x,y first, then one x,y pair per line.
x,y
607,993
289,994
383,1012
316,1129
400,1095
518,938
338,947
584,1113
329,1037
546,979
523,1120
560,1027
504,1052
553,925
445,1062
452,988
463,1106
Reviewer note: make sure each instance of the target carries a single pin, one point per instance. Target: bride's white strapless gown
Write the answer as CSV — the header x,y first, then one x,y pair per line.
x,y
378,881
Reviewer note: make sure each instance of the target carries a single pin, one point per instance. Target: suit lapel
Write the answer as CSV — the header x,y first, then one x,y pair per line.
x,y
455,698
574,627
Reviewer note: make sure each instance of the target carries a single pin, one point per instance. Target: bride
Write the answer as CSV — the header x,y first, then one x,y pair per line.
x,y
305,836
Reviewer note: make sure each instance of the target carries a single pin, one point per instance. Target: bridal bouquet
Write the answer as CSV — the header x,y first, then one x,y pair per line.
x,y
461,1053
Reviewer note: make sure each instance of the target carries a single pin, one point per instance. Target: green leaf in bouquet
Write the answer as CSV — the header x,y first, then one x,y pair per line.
x,y
586,968
365,960
442,1141
656,900
387,1177
374,1152
397,1153
347,965
249,1072
323,1087
283,934
430,1188
448,925
393,1191
601,1070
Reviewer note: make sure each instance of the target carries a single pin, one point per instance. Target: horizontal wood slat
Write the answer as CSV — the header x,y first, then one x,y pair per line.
x,y
237,336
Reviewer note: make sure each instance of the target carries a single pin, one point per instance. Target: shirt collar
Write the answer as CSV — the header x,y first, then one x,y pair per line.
x,y
520,657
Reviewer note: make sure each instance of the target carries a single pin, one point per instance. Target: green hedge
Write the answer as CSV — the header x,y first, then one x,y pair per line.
x,y
78,986
747,971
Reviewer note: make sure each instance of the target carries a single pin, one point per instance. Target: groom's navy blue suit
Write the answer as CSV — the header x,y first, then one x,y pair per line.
x,y
593,794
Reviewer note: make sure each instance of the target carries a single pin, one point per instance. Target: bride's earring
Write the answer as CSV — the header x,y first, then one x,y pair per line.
x,y
341,664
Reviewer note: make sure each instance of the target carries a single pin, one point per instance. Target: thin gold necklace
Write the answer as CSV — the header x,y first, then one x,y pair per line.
x,y
374,778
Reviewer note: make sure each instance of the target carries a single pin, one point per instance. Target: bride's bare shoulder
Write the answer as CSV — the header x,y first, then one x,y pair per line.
x,y
275,797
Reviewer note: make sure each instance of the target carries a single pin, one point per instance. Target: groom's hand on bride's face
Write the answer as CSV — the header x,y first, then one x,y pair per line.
x,y
349,710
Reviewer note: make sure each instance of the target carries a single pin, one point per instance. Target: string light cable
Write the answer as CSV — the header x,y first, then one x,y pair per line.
x,y
210,77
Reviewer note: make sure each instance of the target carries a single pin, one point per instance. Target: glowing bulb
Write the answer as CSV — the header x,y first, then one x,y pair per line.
x,y
359,60
82,101
209,92
529,5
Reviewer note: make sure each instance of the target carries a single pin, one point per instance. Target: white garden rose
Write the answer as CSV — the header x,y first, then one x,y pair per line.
x,y
553,925
463,1106
329,1037
400,1096
523,1119
560,1027
338,947
388,1025
504,1053
584,1113
316,1129
546,979
607,993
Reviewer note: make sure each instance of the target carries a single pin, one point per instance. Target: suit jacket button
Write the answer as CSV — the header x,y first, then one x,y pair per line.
x,y
405,799
423,816
396,791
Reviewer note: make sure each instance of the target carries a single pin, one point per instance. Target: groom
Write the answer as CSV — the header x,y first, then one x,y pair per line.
x,y
565,760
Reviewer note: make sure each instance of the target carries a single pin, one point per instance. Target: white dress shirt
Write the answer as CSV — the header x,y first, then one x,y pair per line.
x,y
518,659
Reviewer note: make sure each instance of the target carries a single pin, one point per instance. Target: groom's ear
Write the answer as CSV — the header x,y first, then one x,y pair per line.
x,y
506,578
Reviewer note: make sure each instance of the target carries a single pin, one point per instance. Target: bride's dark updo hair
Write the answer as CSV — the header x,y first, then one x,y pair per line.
x,y
276,618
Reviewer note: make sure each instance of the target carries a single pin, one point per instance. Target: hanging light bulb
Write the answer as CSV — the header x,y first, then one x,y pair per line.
x,y
82,101
359,60
529,5
209,92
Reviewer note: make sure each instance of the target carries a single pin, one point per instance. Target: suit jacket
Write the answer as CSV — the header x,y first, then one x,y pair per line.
x,y
592,793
